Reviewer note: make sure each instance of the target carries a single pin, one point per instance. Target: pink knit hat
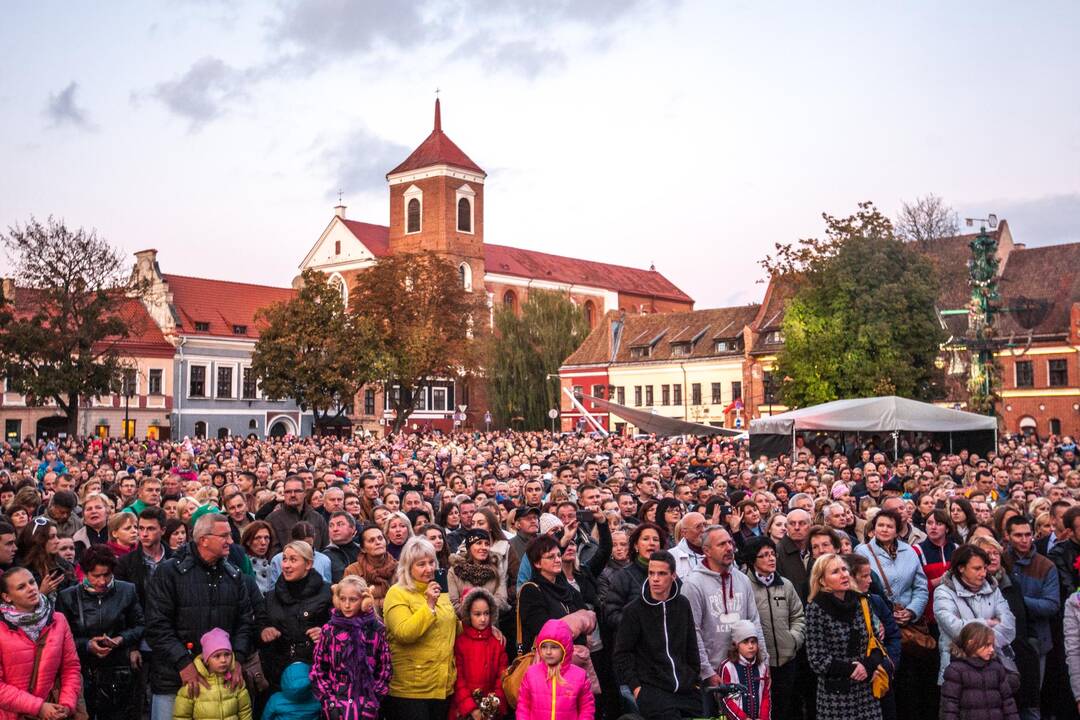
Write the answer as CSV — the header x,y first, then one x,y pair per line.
x,y
214,641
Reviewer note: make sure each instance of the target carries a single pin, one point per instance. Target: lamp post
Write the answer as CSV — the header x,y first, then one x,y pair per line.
x,y
983,278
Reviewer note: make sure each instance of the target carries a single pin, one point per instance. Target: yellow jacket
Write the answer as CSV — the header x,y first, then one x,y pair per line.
x,y
216,702
421,643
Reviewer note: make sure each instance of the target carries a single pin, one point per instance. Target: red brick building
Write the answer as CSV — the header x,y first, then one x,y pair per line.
x,y
437,204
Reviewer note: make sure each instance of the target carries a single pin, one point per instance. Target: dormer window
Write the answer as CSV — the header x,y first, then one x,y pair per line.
x,y
239,329
728,345
640,352
774,338
201,326
680,349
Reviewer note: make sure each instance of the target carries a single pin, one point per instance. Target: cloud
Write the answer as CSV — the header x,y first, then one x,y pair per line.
x,y
1046,220
63,109
201,94
360,161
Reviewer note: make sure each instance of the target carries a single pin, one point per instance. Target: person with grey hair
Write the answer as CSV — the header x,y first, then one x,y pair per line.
x,y
192,593
801,501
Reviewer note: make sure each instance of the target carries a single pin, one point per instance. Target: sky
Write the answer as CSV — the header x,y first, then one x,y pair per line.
x,y
689,135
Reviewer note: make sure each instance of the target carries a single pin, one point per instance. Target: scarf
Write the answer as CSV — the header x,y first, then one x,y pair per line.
x,y
476,574
379,574
32,622
836,608
90,589
357,628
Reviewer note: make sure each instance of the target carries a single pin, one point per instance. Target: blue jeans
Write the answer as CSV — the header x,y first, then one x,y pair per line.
x,y
161,707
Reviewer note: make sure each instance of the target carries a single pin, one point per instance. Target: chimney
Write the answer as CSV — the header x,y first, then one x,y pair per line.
x,y
339,210
9,290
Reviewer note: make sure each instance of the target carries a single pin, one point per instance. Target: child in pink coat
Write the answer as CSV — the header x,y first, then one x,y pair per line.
x,y
555,678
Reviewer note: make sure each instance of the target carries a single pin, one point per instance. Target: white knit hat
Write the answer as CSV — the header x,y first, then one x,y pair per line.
x,y
549,522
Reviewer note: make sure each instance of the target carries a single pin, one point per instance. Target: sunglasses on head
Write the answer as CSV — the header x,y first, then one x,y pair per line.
x,y
38,522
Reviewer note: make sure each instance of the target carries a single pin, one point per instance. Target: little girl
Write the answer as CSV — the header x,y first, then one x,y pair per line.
x,y
350,672
217,700
977,686
746,666
554,680
479,657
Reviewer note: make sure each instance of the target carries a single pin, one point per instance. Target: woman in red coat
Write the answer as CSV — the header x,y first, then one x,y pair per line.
x,y
29,621
479,656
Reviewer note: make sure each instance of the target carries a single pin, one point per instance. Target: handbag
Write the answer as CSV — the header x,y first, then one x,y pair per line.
x,y
879,683
915,638
515,674
254,676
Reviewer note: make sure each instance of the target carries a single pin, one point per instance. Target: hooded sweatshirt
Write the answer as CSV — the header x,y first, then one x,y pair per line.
x,y
566,696
718,601
656,643
295,700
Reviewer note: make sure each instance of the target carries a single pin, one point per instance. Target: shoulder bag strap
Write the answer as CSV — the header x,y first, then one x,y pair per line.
x,y
869,625
39,646
884,577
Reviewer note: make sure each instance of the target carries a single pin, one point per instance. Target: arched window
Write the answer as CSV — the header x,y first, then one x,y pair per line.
x,y
465,273
590,312
1055,426
200,429
510,300
464,215
338,283
414,216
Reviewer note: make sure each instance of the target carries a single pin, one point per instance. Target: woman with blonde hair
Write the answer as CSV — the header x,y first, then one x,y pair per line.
x,y
422,628
397,530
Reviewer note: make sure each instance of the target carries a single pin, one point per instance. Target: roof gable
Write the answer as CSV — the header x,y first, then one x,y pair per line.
x,y
359,242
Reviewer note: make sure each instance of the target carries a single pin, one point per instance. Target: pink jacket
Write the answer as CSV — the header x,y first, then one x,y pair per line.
x,y
568,696
58,659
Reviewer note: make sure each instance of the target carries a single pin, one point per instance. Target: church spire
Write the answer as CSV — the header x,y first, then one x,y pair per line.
x,y
438,117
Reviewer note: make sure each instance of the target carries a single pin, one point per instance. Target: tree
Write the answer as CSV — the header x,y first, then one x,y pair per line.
x,y
313,351
925,220
61,336
525,349
862,321
424,322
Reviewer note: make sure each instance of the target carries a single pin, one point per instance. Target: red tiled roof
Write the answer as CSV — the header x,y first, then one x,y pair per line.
x,y
505,260
437,149
1048,274
221,303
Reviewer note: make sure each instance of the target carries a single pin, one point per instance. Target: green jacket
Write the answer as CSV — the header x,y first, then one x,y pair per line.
x,y
216,702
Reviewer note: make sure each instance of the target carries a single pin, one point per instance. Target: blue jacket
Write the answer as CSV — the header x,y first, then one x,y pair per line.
x,y
905,575
1038,581
294,701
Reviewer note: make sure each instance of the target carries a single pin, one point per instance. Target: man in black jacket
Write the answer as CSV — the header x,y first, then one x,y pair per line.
x,y
190,594
656,653
292,511
343,548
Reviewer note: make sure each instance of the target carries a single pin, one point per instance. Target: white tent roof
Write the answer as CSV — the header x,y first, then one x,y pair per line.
x,y
878,414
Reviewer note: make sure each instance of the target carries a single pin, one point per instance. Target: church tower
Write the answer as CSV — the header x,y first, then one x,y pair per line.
x,y
437,205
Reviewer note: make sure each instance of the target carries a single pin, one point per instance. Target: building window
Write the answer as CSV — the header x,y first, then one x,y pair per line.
x,y
248,387
224,382
337,247
197,384
598,391
1025,374
154,382
420,399
253,424
1059,373
129,383
590,312
640,352
464,215
201,326
369,401
676,394
680,349
717,394
438,399
465,273
648,395
637,396
510,300
200,429
239,329
768,381
577,391
620,394
695,394
414,216
736,391
1055,426
665,394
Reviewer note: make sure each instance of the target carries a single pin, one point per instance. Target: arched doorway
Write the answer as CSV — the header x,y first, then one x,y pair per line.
x,y
223,433
281,426
200,429
51,427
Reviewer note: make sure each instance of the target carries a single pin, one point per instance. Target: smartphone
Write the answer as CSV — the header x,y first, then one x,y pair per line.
x,y
56,574
584,516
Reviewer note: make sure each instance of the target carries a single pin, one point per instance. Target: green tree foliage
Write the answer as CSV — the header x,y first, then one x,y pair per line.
x,y
862,321
525,349
61,338
313,351
426,325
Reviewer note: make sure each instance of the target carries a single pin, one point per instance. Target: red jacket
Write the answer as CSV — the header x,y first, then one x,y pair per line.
x,y
480,660
58,660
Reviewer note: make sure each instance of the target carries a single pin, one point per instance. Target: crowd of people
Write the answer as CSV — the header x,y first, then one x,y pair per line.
x,y
537,576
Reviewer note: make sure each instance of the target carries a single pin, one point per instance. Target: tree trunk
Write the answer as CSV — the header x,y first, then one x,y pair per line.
x,y
72,412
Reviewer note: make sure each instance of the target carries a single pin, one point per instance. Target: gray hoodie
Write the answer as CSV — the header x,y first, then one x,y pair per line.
x,y
717,603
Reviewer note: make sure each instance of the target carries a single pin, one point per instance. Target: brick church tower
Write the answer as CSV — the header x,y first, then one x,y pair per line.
x,y
437,205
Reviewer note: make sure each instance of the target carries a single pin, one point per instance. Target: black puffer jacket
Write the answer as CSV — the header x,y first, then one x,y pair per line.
x,y
187,598
975,689
115,613
293,608
341,557
625,588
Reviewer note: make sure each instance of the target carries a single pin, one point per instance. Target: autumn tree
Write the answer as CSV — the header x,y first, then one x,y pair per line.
x,y
925,220
425,324
525,349
862,321
61,336
313,351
